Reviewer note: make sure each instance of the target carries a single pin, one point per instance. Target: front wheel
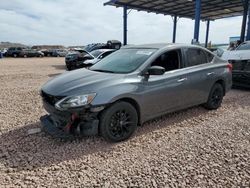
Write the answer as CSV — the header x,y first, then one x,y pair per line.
x,y
215,97
118,122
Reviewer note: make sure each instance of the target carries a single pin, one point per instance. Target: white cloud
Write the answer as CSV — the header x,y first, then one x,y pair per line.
x,y
79,22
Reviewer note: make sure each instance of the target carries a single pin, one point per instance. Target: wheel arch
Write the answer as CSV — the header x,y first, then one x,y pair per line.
x,y
223,83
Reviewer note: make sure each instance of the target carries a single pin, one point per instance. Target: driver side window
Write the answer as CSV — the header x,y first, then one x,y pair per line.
x,y
169,60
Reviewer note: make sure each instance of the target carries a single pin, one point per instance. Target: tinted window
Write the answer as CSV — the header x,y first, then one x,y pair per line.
x,y
96,53
210,56
195,57
244,46
123,61
169,60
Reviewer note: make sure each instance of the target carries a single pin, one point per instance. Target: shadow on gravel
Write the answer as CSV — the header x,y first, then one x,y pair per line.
x,y
53,75
20,151
60,67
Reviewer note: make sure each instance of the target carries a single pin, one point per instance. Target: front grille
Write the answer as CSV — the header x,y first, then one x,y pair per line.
x,y
50,99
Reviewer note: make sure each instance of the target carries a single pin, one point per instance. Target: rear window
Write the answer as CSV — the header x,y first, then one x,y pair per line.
x,y
195,57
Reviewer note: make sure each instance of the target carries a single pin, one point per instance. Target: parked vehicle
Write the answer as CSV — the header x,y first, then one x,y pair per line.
x,y
93,57
241,73
240,59
242,52
131,86
14,51
76,58
217,51
47,53
59,53
111,44
4,51
30,53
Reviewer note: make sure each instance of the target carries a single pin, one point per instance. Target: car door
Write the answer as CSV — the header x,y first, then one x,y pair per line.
x,y
165,93
200,73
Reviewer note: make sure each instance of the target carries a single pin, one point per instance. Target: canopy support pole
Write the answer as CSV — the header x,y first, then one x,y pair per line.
x,y
248,25
174,29
207,33
197,21
125,25
244,21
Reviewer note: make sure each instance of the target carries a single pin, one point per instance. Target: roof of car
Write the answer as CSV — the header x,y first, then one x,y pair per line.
x,y
104,50
158,46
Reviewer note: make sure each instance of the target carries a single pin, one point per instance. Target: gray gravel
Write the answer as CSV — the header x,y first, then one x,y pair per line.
x,y
191,148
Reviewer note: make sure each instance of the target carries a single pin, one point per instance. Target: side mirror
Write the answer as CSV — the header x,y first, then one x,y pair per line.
x,y
156,70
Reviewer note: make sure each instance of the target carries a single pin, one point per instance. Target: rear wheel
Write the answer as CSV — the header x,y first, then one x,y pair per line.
x,y
215,97
118,122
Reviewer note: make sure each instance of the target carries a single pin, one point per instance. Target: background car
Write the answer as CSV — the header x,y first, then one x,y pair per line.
x,y
30,53
217,51
74,59
14,51
97,56
59,53
242,52
241,73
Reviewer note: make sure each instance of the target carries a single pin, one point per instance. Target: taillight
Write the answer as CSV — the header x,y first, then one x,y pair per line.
x,y
230,67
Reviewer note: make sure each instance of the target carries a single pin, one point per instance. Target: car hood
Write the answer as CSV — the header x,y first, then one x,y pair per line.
x,y
236,55
81,81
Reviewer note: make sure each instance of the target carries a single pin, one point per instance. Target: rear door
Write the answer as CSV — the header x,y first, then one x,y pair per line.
x,y
201,75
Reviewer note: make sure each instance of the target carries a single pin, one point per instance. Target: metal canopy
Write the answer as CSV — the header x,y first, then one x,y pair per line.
x,y
210,9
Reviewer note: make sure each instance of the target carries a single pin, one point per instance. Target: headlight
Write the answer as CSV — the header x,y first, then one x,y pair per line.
x,y
75,101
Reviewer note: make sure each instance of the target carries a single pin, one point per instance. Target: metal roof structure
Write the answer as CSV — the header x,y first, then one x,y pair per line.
x,y
211,9
206,10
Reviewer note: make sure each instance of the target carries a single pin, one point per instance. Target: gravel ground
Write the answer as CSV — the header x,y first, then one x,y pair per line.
x,y
191,148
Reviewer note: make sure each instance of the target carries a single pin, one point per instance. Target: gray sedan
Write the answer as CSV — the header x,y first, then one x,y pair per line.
x,y
133,85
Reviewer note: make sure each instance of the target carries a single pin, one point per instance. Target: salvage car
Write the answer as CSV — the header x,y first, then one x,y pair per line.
x,y
14,51
241,73
131,86
242,52
59,53
75,59
97,56
30,53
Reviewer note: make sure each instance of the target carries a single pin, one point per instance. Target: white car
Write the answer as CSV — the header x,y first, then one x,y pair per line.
x,y
98,55
240,53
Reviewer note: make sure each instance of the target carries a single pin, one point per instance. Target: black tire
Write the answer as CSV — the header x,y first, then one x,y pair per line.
x,y
215,97
118,122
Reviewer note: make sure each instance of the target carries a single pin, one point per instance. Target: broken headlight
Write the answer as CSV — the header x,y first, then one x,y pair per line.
x,y
75,101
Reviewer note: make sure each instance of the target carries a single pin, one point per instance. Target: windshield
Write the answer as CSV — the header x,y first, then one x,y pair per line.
x,y
96,53
244,46
123,61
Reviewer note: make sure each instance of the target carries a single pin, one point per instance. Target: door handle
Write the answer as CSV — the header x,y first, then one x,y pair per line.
x,y
182,80
210,73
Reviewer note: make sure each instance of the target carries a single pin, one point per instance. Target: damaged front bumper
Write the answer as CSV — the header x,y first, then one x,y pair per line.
x,y
70,124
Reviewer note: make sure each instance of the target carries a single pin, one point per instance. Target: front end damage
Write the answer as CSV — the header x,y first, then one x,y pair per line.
x,y
72,123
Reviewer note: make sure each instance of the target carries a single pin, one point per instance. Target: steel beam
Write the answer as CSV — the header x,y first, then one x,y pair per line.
x,y
248,25
244,21
207,33
125,25
197,20
174,28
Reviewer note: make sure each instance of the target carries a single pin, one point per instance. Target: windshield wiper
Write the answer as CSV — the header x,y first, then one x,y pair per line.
x,y
100,70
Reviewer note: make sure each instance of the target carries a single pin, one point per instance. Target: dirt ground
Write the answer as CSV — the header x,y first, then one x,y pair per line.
x,y
191,148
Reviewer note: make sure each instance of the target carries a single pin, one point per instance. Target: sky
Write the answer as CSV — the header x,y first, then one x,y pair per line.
x,y
80,22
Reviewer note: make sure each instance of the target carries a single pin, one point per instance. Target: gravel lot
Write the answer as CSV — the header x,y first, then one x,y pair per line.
x,y
191,148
